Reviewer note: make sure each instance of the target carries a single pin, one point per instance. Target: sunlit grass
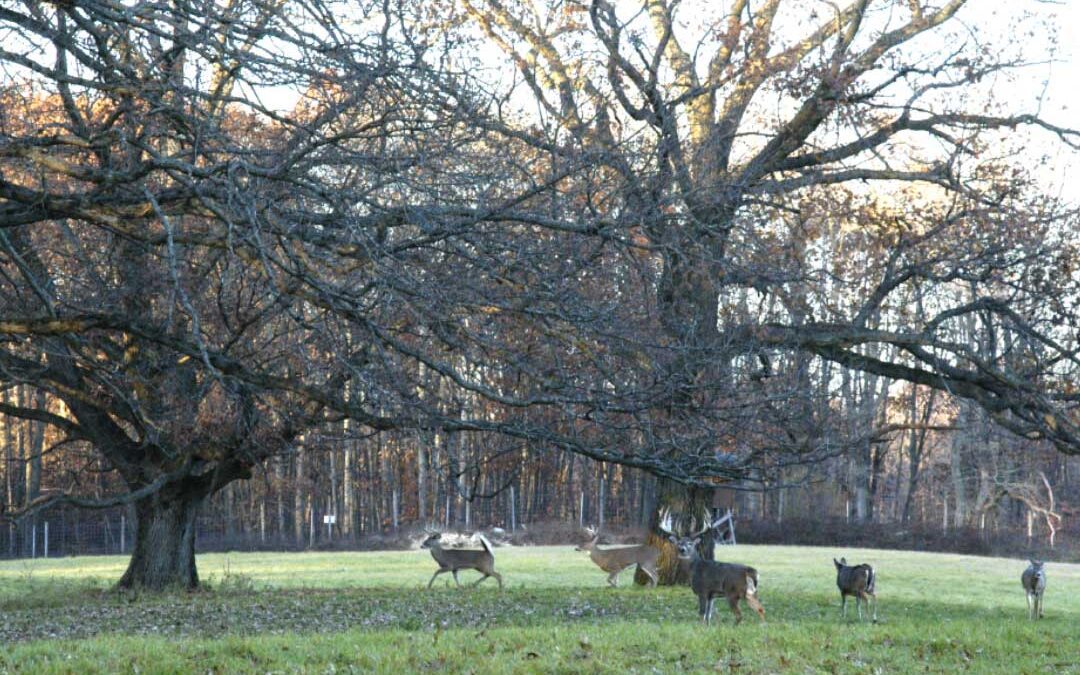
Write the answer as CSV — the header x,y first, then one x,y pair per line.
x,y
324,612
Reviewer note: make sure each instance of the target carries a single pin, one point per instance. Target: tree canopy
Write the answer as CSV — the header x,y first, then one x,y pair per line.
x,y
646,241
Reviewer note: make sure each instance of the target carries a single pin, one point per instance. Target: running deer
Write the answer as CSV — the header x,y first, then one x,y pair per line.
x,y
1034,581
857,580
709,579
454,559
615,560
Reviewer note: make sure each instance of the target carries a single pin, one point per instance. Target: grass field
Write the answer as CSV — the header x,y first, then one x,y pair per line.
x,y
363,612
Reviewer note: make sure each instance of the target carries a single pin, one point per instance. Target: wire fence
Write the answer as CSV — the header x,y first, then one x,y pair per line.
x,y
69,532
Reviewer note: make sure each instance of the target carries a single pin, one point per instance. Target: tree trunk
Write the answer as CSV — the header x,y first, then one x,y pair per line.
x,y
688,503
164,555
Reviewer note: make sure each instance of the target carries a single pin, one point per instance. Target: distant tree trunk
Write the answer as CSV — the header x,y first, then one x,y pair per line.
x,y
36,448
298,500
956,466
279,473
421,481
348,496
916,447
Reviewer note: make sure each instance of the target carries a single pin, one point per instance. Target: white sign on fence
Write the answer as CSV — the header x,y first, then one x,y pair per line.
x,y
329,520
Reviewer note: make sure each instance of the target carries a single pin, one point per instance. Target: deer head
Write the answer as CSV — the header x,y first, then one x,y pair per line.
x,y
431,538
593,537
686,545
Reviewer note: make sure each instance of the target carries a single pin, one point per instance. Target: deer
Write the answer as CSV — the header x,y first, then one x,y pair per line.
x,y
454,559
857,580
1034,581
710,579
615,560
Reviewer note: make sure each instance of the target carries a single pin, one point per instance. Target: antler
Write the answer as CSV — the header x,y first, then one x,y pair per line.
x,y
707,522
664,525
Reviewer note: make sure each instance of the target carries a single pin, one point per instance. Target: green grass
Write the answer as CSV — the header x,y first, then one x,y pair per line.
x,y
363,612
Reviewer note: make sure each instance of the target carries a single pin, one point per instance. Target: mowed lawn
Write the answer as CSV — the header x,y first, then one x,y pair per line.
x,y
364,612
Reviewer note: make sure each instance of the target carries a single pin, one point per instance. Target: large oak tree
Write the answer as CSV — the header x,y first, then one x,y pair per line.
x,y
639,248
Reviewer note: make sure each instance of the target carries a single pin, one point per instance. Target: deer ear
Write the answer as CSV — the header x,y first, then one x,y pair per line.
x,y
672,539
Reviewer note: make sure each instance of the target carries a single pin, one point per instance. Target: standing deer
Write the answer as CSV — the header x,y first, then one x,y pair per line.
x,y
1034,581
615,560
709,579
454,559
857,580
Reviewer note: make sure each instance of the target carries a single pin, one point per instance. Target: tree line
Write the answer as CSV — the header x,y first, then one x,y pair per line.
x,y
309,241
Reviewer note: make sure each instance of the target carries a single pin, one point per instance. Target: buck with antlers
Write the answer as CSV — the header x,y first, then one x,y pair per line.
x,y
710,579
615,560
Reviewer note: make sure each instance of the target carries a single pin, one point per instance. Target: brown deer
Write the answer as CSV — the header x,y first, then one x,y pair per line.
x,y
615,560
1034,581
709,579
857,580
454,559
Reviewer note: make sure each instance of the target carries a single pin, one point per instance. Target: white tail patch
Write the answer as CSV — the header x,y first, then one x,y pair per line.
x,y
484,542
751,587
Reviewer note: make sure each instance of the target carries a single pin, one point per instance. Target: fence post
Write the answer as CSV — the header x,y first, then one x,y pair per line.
x,y
123,533
46,539
33,540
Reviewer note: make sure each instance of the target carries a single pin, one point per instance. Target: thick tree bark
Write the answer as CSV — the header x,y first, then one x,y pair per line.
x,y
164,555
689,504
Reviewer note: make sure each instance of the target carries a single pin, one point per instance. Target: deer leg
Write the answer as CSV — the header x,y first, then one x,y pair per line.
x,y
498,577
1028,596
755,604
859,605
454,572
873,596
477,582
649,572
703,604
613,580
1039,603
843,605
733,602
443,569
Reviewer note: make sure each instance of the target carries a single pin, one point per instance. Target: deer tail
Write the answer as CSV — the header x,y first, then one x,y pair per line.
x,y
751,581
871,578
485,543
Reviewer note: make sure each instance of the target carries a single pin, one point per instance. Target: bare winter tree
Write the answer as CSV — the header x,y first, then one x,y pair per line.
x,y
645,246
155,204
734,136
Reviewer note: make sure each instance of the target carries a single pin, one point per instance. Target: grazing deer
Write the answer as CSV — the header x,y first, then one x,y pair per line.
x,y
454,559
857,580
709,579
1034,581
615,560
